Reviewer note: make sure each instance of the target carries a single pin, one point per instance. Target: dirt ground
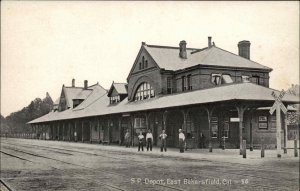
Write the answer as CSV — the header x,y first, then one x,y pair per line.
x,y
51,165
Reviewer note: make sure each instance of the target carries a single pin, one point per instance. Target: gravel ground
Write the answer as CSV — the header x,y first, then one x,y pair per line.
x,y
51,165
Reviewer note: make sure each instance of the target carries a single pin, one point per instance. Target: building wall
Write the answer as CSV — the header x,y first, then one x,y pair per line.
x,y
201,77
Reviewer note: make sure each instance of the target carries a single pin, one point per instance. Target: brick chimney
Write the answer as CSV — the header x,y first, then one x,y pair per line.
x,y
244,49
182,49
209,42
73,82
85,84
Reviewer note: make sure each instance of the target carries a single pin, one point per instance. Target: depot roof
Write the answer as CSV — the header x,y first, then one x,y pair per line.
x,y
231,92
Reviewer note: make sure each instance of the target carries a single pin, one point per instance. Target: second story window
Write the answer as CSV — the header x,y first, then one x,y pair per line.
x,y
143,64
145,91
114,99
169,85
216,79
183,83
245,79
255,79
189,82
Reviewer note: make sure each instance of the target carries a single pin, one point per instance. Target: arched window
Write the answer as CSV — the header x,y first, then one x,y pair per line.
x,y
144,91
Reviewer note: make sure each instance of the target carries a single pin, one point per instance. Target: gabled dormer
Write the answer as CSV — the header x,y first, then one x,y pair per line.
x,y
117,92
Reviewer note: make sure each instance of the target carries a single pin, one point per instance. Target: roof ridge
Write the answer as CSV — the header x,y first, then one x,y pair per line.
x,y
74,87
119,83
172,47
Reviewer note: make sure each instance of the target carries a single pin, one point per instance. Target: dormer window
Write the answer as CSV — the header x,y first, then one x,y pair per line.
x,y
255,79
114,99
245,79
189,82
216,79
145,91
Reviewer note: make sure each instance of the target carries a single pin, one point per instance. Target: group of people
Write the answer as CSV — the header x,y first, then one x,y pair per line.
x,y
149,140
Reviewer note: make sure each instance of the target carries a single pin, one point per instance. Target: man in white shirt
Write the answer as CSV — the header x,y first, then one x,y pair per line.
x,y
141,139
181,141
149,139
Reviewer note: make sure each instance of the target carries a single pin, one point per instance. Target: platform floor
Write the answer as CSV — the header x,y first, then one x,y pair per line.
x,y
52,165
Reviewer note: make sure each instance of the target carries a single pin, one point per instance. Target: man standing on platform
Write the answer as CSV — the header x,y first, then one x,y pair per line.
x,y
181,141
127,138
75,136
141,141
163,137
149,139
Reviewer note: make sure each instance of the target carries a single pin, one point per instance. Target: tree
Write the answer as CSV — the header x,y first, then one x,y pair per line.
x,y
16,121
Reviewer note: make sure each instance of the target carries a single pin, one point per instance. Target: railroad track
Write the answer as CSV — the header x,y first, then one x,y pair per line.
x,y
270,169
82,166
223,171
242,166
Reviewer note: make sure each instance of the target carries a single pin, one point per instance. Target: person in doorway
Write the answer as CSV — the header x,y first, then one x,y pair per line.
x,y
75,136
181,141
163,138
127,138
202,140
141,140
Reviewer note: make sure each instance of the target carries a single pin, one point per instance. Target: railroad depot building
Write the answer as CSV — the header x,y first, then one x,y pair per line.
x,y
210,90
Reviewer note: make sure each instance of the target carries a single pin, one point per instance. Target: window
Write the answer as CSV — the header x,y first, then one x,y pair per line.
x,y
169,85
226,79
216,79
145,91
262,122
189,127
214,130
273,121
245,79
189,82
261,81
226,130
143,64
114,99
255,79
183,83
214,127
140,124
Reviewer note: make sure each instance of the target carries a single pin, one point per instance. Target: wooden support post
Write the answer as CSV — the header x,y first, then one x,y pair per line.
x,y
241,109
285,134
70,133
295,148
209,111
251,132
91,128
278,130
58,131
132,129
98,127
120,130
244,149
262,154
109,129
36,131
82,123
63,131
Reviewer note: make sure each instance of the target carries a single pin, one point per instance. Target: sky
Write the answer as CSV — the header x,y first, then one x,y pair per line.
x,y
46,44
